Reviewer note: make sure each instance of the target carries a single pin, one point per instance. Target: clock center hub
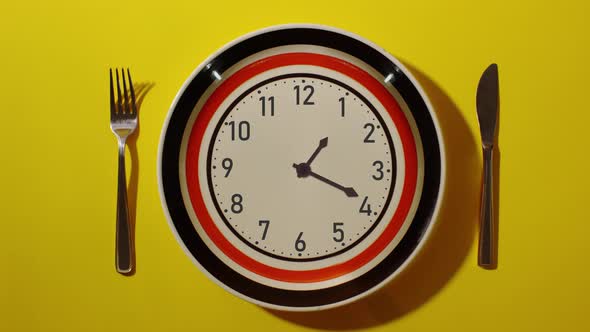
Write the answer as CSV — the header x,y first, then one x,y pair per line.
x,y
303,170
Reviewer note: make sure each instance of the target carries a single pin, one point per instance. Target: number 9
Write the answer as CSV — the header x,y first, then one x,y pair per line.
x,y
227,165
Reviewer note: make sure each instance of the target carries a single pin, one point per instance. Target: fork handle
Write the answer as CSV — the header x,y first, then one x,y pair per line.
x,y
486,230
123,247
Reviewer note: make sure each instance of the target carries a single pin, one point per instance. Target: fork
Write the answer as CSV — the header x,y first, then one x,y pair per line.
x,y
123,124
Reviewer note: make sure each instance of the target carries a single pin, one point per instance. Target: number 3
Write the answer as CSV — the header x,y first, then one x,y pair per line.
x,y
379,170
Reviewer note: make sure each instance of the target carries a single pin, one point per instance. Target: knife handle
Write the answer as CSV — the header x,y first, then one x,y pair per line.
x,y
486,230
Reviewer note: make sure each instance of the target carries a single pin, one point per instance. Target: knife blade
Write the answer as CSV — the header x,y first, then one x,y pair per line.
x,y
487,104
487,115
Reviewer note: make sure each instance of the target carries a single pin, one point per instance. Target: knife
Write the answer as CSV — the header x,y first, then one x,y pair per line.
x,y
487,114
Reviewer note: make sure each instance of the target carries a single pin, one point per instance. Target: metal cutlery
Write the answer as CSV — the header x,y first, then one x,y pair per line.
x,y
487,114
123,124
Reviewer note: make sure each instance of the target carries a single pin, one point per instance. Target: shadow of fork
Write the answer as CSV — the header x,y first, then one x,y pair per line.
x,y
141,90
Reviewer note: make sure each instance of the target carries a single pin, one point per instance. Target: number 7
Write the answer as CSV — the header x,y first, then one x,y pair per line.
x,y
265,223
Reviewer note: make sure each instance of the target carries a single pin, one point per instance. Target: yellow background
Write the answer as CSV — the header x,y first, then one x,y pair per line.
x,y
58,164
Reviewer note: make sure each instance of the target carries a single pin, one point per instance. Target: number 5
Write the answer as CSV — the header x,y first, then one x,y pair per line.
x,y
338,231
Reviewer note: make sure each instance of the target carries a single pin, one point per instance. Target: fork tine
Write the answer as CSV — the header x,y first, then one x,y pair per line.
x,y
133,106
120,100
112,92
125,93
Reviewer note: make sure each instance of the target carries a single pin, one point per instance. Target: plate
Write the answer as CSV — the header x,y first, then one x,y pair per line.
x,y
301,167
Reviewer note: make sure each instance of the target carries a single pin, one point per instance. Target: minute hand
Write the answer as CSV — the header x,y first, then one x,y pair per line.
x,y
349,191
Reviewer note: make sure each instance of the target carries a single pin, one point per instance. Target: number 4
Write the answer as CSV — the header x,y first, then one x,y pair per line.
x,y
365,207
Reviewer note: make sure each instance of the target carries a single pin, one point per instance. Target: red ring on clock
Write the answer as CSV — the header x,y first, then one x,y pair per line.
x,y
355,73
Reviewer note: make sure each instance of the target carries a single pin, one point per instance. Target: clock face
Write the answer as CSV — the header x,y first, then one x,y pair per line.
x,y
280,172
300,167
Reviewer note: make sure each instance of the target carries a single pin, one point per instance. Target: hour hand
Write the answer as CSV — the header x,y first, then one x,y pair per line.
x,y
323,144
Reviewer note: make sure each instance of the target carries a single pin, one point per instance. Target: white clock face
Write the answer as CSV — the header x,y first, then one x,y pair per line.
x,y
301,167
296,174
298,168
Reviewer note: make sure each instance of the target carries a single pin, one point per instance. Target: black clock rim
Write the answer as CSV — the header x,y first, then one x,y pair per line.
x,y
170,179
392,154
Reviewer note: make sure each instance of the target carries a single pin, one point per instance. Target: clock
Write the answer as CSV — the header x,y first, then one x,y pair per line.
x,y
301,167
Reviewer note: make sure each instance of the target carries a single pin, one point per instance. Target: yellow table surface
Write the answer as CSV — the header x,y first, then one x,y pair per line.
x,y
58,167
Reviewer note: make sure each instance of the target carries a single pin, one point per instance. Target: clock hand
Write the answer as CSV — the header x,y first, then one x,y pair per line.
x,y
304,170
323,144
349,191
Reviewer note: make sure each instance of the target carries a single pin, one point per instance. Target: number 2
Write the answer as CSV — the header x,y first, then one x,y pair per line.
x,y
368,138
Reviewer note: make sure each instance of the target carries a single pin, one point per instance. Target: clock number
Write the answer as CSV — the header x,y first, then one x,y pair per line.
x,y
379,170
368,138
236,203
307,101
341,100
243,129
338,231
264,223
227,165
299,243
271,101
365,207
